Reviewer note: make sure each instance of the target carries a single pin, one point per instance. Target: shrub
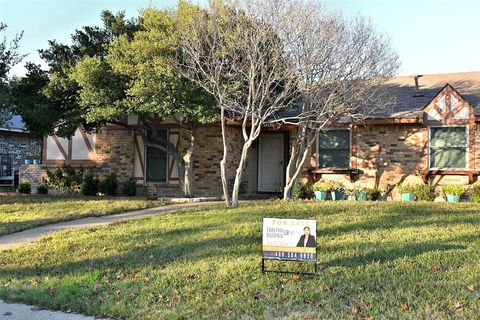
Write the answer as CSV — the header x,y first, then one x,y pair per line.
x,y
358,189
109,185
322,186
406,188
374,194
425,192
24,188
303,190
337,186
130,187
42,189
65,179
89,186
453,189
475,193
279,189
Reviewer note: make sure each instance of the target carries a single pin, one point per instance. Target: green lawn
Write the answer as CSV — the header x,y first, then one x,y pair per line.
x,y
379,260
24,212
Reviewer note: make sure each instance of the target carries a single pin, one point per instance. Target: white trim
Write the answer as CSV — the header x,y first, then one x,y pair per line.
x,y
467,155
349,150
145,148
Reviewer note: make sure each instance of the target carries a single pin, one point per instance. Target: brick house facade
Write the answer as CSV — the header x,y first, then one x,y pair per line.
x,y
409,144
16,145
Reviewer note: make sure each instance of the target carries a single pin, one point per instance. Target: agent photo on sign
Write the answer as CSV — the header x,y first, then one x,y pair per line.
x,y
306,240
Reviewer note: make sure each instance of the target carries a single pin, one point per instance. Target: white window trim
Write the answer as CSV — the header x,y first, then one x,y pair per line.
x,y
145,180
467,155
349,150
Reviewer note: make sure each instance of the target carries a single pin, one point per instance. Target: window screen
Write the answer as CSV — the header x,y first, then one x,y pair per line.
x,y
157,161
334,149
448,147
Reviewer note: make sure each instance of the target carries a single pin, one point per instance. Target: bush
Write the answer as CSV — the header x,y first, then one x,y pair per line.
x,y
89,186
109,185
406,188
24,188
374,194
130,187
322,186
453,189
42,189
425,192
65,179
337,186
303,190
475,193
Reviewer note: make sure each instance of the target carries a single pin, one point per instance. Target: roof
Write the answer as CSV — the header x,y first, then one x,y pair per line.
x,y
14,124
407,105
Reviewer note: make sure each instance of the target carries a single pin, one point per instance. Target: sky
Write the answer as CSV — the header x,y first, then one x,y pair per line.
x,y
430,36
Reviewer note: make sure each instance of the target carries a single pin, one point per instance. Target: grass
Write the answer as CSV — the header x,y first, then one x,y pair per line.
x,y
376,260
19,213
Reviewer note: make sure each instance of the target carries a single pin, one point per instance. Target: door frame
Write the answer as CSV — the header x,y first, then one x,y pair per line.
x,y
284,156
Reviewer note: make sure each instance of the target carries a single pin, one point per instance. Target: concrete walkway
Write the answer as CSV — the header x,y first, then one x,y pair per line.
x,y
23,237
17,311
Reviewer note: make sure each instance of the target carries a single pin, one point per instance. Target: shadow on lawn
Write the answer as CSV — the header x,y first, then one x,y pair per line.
x,y
164,250
159,248
390,254
408,217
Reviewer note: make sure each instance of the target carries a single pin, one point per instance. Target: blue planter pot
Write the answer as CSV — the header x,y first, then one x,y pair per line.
x,y
27,161
320,195
336,196
453,199
408,197
361,196
36,161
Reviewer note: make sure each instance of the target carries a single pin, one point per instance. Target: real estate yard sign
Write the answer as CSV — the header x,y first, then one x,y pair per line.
x,y
289,239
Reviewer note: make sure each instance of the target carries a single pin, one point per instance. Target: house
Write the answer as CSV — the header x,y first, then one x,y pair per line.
x,y
430,135
16,145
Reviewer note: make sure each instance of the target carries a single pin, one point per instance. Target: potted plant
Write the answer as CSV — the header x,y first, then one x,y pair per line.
x,y
320,188
453,192
36,158
374,194
360,193
337,190
27,161
407,192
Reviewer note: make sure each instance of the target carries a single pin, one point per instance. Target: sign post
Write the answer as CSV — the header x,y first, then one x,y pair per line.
x,y
289,240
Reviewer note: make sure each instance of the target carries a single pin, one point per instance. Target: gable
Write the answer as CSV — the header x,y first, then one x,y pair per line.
x,y
448,107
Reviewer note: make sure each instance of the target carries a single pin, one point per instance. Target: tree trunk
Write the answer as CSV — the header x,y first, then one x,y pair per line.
x,y
188,159
239,173
223,162
297,159
288,190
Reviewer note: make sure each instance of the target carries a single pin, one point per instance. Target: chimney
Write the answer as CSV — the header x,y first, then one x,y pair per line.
x,y
417,87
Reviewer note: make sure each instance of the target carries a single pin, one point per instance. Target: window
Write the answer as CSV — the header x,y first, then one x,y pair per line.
x,y
334,149
448,147
157,161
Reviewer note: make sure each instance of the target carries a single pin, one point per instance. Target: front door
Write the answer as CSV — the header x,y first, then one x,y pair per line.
x,y
270,162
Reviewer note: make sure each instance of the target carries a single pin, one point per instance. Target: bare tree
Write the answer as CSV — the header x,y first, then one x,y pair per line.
x,y
256,57
232,51
342,67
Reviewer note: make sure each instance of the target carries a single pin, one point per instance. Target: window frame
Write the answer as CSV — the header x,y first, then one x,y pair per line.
x,y
467,148
167,163
349,149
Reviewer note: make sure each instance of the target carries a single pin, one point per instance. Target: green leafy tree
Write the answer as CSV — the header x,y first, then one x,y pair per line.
x,y
9,57
48,100
139,75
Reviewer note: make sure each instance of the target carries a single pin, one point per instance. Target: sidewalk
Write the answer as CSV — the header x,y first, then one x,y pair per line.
x,y
17,311
23,237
